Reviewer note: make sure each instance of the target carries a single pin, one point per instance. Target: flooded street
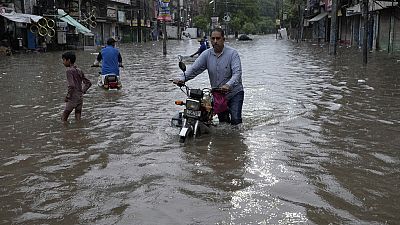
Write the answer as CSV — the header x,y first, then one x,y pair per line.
x,y
319,144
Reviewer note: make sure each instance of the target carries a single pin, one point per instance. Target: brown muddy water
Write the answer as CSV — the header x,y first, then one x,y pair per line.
x,y
320,143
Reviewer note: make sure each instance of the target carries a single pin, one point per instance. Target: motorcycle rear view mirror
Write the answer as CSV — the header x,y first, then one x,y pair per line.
x,y
182,66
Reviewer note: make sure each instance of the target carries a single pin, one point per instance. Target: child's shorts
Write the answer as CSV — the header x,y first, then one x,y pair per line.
x,y
77,105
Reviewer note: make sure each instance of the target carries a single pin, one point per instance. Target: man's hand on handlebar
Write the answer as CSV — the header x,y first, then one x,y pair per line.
x,y
179,83
225,88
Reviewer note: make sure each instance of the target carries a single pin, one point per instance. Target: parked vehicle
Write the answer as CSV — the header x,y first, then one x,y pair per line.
x,y
244,37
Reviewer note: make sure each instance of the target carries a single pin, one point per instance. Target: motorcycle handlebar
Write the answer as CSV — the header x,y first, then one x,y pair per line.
x,y
182,84
179,84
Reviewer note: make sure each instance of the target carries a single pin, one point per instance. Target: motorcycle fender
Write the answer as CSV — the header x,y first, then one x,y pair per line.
x,y
183,131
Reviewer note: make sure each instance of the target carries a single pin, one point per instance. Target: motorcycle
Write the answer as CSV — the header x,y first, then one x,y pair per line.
x,y
109,81
197,116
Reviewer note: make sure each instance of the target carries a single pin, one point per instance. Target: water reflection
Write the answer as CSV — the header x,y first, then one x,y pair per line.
x,y
219,160
46,181
363,114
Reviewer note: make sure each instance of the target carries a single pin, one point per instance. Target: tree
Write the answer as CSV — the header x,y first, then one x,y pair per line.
x,y
201,22
252,16
265,25
235,25
249,28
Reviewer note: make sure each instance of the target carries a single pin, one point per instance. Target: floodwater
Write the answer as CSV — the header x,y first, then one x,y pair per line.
x,y
319,144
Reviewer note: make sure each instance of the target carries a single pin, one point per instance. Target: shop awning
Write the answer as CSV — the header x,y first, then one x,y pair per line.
x,y
353,10
62,15
372,6
21,17
318,17
378,5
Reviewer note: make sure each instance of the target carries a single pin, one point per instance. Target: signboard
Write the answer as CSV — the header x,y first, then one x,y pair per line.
x,y
121,17
328,5
164,13
227,18
61,37
134,23
62,26
111,13
214,21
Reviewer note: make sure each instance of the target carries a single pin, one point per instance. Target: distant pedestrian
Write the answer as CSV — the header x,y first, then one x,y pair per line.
x,y
206,41
201,49
75,78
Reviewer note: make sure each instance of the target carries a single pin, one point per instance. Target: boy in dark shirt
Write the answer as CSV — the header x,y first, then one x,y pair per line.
x,y
75,78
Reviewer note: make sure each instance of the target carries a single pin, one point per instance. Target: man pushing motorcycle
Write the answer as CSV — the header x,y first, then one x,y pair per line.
x,y
225,73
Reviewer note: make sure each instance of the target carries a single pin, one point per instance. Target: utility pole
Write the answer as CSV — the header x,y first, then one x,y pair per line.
x,y
139,22
227,19
282,25
179,20
299,25
214,6
164,27
131,24
276,18
333,39
365,31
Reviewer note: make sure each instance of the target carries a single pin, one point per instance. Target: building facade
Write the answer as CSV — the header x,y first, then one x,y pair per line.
x,y
383,23
72,24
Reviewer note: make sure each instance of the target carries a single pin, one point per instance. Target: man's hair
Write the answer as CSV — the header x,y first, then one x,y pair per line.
x,y
69,56
218,29
111,41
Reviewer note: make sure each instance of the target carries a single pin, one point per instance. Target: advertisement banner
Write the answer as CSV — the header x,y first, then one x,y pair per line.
x,y
214,21
164,13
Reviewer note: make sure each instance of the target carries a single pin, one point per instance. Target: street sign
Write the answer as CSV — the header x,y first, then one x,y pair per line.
x,y
227,18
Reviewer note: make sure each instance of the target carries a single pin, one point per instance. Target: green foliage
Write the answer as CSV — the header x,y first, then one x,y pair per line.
x,y
265,25
252,16
201,22
249,28
235,23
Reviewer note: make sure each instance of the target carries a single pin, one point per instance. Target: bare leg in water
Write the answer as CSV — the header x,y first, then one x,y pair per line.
x,y
78,115
65,116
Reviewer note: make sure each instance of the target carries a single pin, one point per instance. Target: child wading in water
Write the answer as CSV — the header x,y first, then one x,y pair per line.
x,y
75,78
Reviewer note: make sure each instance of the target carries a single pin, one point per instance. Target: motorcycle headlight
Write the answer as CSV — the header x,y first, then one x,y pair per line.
x,y
192,104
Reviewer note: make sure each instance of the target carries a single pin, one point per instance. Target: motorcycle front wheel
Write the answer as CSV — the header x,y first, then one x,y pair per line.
x,y
185,132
